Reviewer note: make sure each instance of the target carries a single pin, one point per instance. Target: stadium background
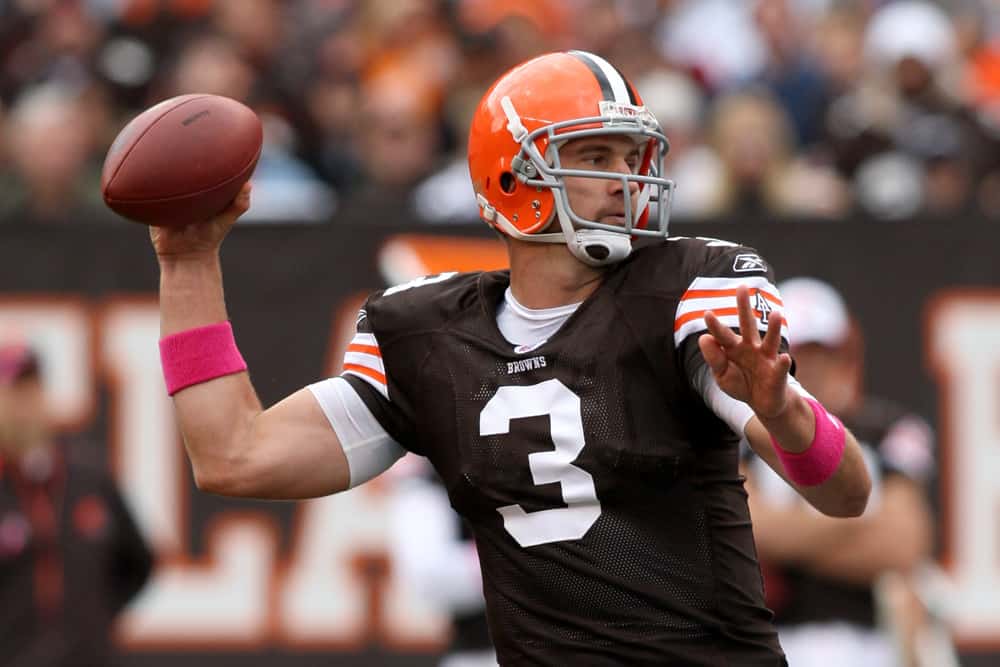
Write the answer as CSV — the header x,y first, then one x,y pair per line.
x,y
805,131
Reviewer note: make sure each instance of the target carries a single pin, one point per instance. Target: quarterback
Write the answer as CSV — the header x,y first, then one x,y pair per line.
x,y
584,408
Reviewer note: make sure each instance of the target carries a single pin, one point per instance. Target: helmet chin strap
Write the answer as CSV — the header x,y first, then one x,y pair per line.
x,y
596,247
593,247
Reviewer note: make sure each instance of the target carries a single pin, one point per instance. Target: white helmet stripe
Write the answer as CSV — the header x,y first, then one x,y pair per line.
x,y
618,86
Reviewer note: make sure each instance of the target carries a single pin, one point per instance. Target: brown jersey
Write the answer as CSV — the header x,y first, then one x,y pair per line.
x,y
604,496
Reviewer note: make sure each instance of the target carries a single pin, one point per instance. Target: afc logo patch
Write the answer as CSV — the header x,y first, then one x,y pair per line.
x,y
761,307
747,263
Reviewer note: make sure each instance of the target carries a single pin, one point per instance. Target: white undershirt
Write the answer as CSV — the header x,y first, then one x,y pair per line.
x,y
528,328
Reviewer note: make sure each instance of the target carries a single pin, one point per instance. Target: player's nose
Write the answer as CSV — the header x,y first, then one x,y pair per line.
x,y
617,186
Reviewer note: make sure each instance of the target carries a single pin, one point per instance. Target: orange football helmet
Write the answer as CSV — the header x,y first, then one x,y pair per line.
x,y
514,139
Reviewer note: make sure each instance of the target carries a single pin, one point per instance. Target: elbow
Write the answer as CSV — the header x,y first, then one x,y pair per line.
x,y
212,482
224,479
854,505
228,467
853,502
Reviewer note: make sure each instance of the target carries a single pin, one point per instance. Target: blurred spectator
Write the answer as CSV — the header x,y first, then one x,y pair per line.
x,y
398,142
71,556
679,104
753,137
716,39
821,573
45,41
792,73
332,101
906,130
212,64
446,196
285,187
51,177
256,27
887,109
520,29
436,557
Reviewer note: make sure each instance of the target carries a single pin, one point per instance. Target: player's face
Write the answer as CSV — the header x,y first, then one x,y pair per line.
x,y
23,416
831,375
601,199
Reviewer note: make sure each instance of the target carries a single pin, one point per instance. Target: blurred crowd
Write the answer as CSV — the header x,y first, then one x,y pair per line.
x,y
820,109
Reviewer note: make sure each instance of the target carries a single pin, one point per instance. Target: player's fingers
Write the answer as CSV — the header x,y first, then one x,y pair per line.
x,y
241,203
724,336
772,338
748,323
714,355
784,363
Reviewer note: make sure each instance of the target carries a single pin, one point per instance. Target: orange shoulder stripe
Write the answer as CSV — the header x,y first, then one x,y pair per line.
x,y
364,370
698,314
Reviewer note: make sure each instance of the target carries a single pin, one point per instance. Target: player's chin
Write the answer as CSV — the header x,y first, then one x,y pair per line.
x,y
614,220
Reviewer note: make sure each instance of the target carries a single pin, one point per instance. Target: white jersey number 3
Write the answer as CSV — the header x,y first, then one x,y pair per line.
x,y
551,398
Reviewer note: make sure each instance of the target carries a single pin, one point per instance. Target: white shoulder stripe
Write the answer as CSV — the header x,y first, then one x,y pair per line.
x,y
371,361
363,359
364,339
708,283
697,326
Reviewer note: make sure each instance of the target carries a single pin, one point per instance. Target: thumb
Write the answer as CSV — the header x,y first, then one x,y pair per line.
x,y
240,204
714,355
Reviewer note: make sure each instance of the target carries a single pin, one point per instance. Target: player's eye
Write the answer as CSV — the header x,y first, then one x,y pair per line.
x,y
633,162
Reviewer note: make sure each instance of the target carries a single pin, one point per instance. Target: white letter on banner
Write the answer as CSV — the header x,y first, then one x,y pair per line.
x,y
964,339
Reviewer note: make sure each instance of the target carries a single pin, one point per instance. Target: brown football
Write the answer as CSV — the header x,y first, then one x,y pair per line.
x,y
182,160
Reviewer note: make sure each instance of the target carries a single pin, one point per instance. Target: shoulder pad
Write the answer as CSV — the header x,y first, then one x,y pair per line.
x,y
425,303
675,262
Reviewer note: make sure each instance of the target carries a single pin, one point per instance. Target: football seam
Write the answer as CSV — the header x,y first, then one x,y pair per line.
x,y
191,194
135,142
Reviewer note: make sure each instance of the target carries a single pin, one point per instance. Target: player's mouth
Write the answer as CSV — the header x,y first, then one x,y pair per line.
x,y
615,219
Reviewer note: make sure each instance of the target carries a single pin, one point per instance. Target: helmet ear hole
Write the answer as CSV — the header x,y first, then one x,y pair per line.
x,y
507,182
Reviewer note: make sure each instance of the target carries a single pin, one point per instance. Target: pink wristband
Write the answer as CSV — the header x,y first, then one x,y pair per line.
x,y
199,355
820,460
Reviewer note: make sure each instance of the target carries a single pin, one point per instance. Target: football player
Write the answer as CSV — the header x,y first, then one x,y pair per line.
x,y
583,409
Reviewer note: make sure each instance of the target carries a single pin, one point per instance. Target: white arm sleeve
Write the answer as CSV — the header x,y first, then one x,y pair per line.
x,y
369,449
735,413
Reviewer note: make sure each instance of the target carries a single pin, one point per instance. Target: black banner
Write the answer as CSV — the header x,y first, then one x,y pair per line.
x,y
312,582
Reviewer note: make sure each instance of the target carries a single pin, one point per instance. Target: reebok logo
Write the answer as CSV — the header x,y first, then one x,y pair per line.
x,y
747,263
529,364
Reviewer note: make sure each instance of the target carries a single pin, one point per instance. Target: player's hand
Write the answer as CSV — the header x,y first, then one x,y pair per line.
x,y
199,238
748,368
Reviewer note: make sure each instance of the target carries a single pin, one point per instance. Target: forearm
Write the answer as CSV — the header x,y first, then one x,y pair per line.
x,y
191,293
845,493
897,537
215,417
